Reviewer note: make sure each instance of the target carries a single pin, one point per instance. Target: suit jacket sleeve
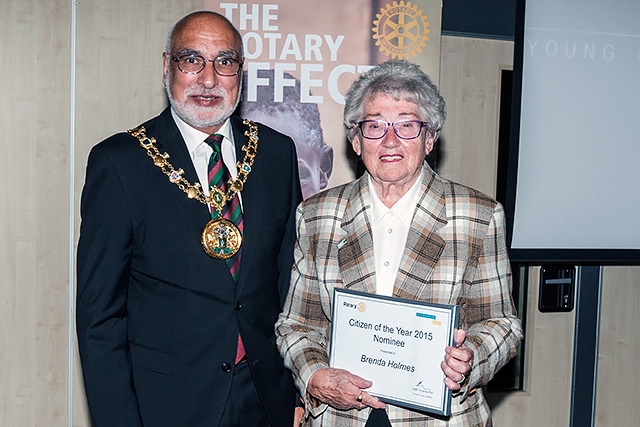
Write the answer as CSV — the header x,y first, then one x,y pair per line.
x,y
104,252
494,330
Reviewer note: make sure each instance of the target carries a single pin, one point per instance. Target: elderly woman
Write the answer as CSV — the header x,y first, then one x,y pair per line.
x,y
400,230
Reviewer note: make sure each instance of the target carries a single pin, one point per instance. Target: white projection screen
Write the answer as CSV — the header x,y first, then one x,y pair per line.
x,y
574,157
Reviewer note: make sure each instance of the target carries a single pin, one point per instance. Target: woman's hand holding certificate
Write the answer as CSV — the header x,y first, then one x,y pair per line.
x,y
341,389
457,362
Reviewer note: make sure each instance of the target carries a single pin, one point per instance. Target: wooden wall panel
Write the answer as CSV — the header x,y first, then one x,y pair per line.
x,y
119,60
546,399
34,214
619,348
470,83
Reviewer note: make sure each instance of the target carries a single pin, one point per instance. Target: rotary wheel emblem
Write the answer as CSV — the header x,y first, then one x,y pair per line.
x,y
400,29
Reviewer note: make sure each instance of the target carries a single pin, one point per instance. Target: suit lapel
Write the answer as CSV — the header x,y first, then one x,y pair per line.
x,y
170,140
355,254
424,244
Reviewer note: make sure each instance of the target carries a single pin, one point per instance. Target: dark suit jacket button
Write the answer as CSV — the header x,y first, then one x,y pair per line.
x,y
238,306
226,367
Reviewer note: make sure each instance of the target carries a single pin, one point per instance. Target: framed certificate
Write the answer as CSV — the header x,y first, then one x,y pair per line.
x,y
398,344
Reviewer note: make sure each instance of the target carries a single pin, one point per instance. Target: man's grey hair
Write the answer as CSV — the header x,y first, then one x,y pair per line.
x,y
179,26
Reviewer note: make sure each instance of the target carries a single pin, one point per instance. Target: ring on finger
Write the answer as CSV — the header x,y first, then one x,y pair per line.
x,y
359,398
464,377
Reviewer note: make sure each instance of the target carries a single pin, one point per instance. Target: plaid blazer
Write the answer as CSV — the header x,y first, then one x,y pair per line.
x,y
455,254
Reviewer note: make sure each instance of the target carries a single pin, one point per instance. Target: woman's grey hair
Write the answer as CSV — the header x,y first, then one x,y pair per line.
x,y
400,79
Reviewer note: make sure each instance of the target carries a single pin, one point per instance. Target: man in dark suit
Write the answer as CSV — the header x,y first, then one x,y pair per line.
x,y
170,333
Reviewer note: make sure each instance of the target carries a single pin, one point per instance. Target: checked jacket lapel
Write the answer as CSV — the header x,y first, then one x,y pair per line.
x,y
355,254
424,245
422,250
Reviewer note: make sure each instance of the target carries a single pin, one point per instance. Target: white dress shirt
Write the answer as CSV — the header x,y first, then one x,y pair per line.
x,y
390,228
200,151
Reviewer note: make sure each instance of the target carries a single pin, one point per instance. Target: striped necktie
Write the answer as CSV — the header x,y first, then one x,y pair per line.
x,y
219,176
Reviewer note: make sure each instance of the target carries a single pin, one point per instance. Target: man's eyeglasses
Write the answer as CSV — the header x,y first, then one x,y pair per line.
x,y
193,64
405,129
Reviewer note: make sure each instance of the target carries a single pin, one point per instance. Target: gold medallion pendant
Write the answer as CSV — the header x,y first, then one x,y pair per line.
x,y
221,239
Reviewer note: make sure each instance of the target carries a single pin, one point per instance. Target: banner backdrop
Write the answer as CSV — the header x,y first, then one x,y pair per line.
x,y
302,56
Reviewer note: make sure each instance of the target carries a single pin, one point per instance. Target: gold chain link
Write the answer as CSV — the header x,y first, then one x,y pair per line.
x,y
216,197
